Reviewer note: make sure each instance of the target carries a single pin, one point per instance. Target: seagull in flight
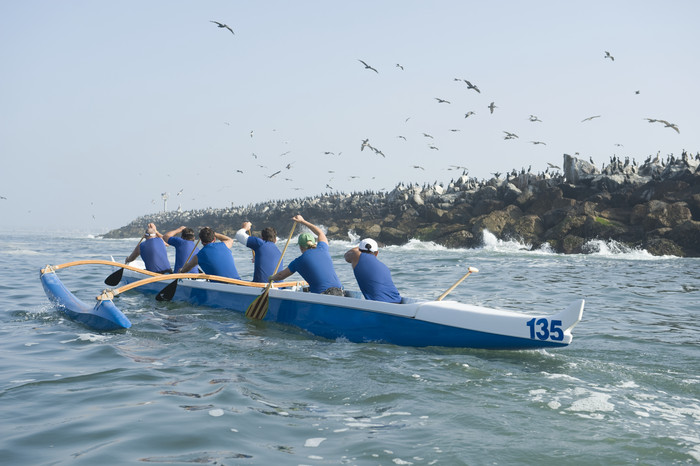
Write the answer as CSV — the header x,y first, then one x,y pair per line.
x,y
539,142
365,143
491,106
222,25
468,114
590,118
607,55
367,66
418,166
428,136
275,174
534,118
442,101
399,66
510,135
472,86
551,165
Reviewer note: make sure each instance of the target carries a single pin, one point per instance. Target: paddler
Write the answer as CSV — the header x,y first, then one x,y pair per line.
x,y
315,264
266,252
152,251
214,258
373,277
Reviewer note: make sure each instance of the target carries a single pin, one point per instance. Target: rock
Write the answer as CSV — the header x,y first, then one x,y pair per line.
x,y
662,247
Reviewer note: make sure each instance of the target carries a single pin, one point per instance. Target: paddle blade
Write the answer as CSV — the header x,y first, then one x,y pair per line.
x,y
258,308
167,293
115,278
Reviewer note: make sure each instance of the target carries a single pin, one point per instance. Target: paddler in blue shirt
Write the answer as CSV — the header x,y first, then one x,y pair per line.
x,y
267,254
314,264
372,275
152,251
184,246
214,258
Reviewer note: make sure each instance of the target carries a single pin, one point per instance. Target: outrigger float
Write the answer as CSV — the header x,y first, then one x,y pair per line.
x,y
410,323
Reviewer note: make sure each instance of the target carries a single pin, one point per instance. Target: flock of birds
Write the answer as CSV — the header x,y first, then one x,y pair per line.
x,y
366,144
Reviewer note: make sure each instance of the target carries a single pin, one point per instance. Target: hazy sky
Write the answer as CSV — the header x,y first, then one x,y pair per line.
x,y
104,106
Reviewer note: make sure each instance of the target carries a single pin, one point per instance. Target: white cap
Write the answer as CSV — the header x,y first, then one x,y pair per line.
x,y
368,245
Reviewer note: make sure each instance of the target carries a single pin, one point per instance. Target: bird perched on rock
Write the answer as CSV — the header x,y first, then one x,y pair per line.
x,y
225,26
367,67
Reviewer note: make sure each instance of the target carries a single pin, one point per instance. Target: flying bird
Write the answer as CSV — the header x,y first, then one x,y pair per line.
x,y
402,137
428,136
275,174
365,143
367,66
534,118
222,25
669,125
399,66
590,118
180,192
442,101
510,135
551,165
607,55
418,166
239,171
472,86
538,142
468,114
491,106
433,147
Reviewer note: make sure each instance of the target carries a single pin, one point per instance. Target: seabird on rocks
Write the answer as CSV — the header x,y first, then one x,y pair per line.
x,y
222,25
368,67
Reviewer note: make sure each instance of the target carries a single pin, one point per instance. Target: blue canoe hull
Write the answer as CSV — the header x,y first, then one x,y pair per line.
x,y
336,317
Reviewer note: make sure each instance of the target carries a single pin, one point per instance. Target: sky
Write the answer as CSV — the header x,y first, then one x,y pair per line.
x,y
105,106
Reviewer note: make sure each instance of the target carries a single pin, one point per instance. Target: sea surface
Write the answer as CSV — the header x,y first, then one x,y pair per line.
x,y
191,385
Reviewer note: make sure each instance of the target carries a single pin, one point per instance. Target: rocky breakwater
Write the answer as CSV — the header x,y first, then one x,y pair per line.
x,y
654,205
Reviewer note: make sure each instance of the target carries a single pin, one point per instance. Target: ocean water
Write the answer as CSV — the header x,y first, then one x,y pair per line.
x,y
191,385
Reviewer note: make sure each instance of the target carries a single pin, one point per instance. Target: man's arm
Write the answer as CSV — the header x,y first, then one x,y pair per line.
x,y
353,256
134,254
224,239
192,263
241,235
281,275
171,233
314,229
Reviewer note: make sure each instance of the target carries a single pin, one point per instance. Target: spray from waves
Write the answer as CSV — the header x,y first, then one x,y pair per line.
x,y
595,247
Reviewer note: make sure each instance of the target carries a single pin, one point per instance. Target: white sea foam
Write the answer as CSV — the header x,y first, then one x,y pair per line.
x,y
216,412
314,442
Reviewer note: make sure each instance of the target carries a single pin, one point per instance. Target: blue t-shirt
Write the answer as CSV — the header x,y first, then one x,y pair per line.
x,y
183,248
216,259
154,255
266,257
375,280
316,266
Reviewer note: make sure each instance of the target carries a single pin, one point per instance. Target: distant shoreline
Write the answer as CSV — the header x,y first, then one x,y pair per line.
x,y
655,206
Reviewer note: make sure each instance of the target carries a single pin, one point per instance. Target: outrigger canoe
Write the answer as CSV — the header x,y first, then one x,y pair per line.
x,y
416,323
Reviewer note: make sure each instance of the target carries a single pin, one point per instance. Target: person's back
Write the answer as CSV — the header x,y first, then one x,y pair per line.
x,y
154,255
267,255
374,279
316,267
183,249
216,259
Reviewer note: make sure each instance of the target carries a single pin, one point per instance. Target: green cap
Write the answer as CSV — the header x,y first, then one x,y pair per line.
x,y
305,239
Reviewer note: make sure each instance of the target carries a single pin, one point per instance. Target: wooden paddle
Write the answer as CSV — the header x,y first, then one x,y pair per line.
x,y
116,277
109,294
167,293
471,270
258,308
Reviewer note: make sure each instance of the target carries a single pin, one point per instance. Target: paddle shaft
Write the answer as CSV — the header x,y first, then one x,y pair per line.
x,y
442,296
167,293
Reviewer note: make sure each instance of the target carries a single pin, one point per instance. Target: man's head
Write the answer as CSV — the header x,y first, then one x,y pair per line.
x,y
150,232
369,245
207,235
188,234
269,234
306,241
